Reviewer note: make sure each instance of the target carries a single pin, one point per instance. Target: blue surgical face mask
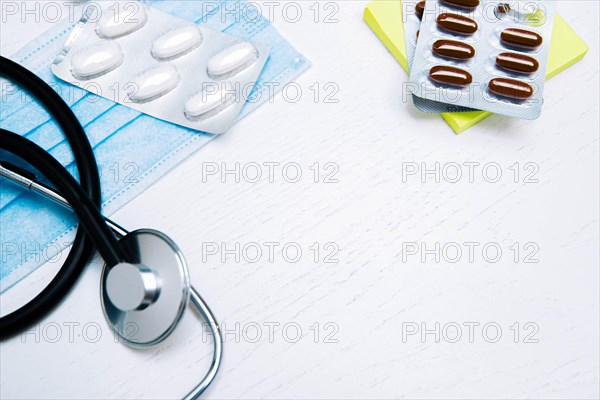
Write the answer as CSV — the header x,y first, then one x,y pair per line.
x,y
133,150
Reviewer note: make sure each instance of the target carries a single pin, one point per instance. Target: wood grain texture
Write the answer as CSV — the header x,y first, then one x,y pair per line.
x,y
370,295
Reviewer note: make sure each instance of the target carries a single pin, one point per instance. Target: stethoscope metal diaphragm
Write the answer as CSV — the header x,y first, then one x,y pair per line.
x,y
144,300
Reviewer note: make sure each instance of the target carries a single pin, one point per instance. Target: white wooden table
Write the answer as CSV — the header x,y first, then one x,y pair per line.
x,y
379,322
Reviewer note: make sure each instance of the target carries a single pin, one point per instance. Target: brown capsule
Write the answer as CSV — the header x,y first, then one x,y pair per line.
x,y
519,63
420,9
521,38
457,24
510,88
453,49
469,4
452,76
504,8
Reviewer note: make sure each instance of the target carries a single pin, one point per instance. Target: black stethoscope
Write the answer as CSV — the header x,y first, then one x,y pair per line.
x,y
144,286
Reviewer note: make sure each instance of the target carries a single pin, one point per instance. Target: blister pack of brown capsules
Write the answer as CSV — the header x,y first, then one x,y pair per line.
x,y
412,14
483,54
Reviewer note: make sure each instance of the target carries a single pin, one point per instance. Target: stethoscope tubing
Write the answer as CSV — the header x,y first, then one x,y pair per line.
x,y
83,248
87,212
213,325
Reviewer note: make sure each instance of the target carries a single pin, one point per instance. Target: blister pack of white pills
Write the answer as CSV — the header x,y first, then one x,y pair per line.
x,y
161,65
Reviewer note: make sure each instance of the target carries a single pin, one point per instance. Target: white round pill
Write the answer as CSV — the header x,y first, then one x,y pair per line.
x,y
154,83
96,60
177,42
232,60
121,22
210,100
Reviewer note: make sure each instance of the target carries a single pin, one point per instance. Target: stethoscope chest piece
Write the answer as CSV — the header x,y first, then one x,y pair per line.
x,y
143,300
